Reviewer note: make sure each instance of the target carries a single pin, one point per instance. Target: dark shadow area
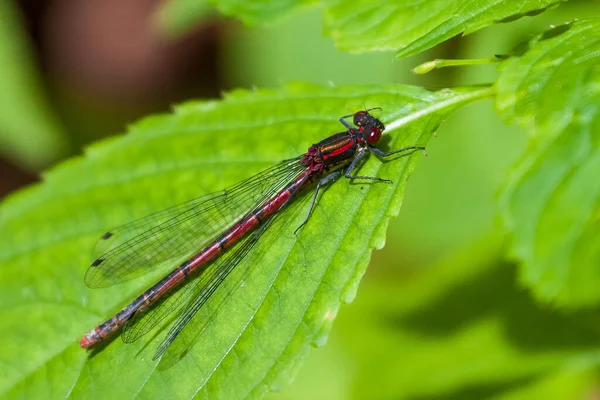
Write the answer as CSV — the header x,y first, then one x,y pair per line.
x,y
13,177
523,47
529,326
517,16
555,31
478,392
102,345
99,65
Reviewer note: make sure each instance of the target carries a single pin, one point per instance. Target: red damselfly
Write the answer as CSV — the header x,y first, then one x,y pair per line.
x,y
215,232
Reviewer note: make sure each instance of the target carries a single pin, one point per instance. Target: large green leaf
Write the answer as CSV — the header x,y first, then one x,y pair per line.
x,y
295,283
29,132
407,26
414,26
551,203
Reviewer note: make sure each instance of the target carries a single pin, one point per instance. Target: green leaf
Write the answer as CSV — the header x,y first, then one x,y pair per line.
x,y
575,381
294,286
29,132
412,27
365,25
459,329
177,16
551,204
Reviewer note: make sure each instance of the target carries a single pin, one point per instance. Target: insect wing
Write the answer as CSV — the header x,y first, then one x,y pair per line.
x,y
209,283
178,232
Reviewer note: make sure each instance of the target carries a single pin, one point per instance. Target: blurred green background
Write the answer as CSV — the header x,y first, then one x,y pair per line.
x,y
440,313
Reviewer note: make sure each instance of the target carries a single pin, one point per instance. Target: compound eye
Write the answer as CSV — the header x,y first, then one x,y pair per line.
x,y
374,136
359,118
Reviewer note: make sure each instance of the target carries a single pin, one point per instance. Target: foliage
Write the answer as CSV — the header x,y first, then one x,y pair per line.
x,y
166,159
460,330
29,132
464,315
551,204
409,27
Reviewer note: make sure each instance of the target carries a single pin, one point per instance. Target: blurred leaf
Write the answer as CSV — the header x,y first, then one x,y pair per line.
x,y
293,290
413,27
29,132
285,52
552,201
257,12
177,16
571,382
457,330
365,25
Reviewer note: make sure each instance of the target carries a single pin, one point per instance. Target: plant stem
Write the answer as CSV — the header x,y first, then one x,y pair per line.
x,y
442,63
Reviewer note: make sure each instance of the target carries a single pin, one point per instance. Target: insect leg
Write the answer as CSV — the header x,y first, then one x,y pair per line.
x,y
383,154
322,182
359,155
346,123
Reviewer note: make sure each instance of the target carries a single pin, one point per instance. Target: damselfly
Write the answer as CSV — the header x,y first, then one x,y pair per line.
x,y
216,231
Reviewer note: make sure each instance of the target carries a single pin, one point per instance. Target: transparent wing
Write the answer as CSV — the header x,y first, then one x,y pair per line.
x,y
202,285
209,283
178,232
